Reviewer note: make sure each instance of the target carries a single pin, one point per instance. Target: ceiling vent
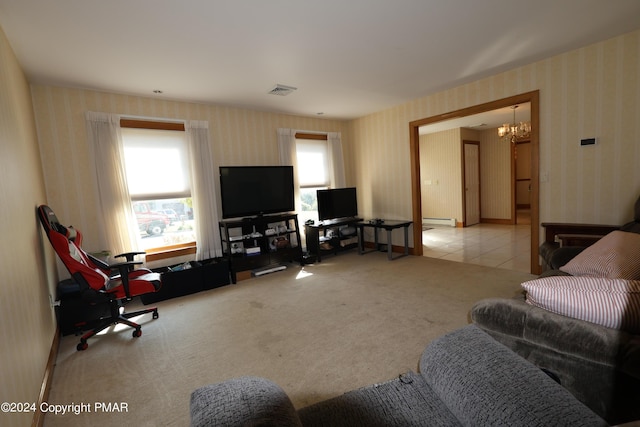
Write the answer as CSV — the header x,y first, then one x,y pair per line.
x,y
282,90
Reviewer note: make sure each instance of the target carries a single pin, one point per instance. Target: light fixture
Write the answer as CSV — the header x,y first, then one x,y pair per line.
x,y
514,131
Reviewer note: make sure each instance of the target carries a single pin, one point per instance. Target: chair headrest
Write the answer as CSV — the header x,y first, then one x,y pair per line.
x,y
71,233
47,215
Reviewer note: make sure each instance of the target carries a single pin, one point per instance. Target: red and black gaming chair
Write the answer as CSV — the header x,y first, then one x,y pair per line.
x,y
100,282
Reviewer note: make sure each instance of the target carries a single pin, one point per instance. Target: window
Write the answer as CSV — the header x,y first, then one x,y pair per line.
x,y
313,174
158,177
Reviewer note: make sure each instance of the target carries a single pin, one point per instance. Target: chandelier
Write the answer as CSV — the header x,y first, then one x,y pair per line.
x,y
514,131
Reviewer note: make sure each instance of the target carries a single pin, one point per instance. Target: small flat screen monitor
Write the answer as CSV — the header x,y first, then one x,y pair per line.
x,y
337,203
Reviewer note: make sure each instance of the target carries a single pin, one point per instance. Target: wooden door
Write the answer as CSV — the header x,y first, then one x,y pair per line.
x,y
523,175
471,183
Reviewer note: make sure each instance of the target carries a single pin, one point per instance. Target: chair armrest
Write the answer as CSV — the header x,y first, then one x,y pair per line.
x,y
129,255
119,266
103,265
123,269
552,229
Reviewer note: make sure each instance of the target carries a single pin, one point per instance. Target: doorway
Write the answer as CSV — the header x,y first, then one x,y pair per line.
x,y
531,97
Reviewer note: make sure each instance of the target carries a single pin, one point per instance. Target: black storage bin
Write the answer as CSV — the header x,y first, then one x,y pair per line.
x,y
74,314
201,275
215,273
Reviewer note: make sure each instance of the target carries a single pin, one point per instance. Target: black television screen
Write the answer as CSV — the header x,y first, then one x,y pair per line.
x,y
256,190
337,203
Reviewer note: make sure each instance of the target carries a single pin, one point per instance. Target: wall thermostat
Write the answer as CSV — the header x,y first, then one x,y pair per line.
x,y
588,141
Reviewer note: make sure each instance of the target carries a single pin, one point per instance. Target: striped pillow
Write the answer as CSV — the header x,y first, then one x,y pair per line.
x,y
616,255
614,303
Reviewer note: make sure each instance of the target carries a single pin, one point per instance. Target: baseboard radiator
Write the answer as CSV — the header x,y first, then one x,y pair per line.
x,y
439,221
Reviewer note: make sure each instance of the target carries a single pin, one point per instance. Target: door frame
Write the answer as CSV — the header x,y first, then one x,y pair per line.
x,y
414,147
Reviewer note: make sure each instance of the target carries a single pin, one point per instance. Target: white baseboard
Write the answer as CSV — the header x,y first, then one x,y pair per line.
x,y
439,221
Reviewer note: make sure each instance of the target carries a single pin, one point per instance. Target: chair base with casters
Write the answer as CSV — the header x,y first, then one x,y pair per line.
x,y
117,315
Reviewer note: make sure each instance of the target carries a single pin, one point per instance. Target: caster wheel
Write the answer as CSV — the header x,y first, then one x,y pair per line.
x,y
155,315
137,333
82,346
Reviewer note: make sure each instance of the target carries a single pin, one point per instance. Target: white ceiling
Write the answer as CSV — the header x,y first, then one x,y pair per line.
x,y
348,58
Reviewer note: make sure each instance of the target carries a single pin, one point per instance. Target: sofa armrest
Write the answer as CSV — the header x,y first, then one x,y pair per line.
x,y
563,255
482,382
600,366
245,401
566,335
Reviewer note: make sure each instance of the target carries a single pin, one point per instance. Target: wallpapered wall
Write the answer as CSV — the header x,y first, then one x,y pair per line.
x,y
238,137
27,322
590,92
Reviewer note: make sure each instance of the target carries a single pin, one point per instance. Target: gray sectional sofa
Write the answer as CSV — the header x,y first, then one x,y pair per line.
x,y
600,366
466,378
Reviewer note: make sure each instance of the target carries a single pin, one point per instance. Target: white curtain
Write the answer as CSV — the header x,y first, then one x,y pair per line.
x,y
287,149
336,160
115,213
203,190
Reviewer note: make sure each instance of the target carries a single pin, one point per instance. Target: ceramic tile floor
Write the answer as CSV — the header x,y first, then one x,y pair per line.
x,y
492,245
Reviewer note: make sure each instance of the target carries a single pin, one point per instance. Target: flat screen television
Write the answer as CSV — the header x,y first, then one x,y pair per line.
x,y
256,190
337,203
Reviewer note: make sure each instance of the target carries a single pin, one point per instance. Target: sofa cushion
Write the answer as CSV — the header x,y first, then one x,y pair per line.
x,y
616,256
613,303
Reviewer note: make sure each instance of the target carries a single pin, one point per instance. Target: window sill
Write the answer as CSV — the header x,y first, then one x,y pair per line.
x,y
167,252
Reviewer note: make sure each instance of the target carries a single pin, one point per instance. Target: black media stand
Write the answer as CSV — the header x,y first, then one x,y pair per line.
x,y
331,236
255,243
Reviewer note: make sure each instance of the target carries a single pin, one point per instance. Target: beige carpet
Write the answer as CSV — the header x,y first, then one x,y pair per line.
x,y
317,331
